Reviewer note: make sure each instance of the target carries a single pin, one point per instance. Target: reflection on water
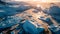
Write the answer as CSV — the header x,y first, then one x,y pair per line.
x,y
8,18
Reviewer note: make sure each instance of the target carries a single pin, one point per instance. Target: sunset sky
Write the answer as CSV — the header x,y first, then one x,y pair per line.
x,y
41,0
